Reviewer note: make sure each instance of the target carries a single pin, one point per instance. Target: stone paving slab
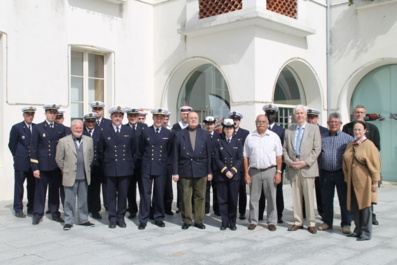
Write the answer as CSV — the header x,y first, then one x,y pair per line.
x,y
46,243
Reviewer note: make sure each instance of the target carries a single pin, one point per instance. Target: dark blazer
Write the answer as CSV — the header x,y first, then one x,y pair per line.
x,y
323,129
189,163
116,152
95,138
228,157
104,124
68,131
155,151
372,132
19,145
140,127
43,143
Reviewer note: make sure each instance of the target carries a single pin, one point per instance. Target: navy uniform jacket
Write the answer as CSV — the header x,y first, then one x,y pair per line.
x,y
189,163
241,134
155,151
213,141
43,145
280,131
323,130
95,138
137,136
68,131
228,157
372,132
19,145
116,151
104,124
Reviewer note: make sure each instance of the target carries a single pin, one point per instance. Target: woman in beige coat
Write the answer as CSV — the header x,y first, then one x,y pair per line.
x,y
361,166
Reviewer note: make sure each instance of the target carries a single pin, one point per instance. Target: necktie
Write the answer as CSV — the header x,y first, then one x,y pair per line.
x,y
117,130
157,130
90,132
51,125
30,128
299,140
228,140
97,122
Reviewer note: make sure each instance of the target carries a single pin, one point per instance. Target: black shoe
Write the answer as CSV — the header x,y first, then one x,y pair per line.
x,y
141,226
352,235
87,224
233,227
96,215
374,221
362,239
242,217
48,211
159,223
217,213
178,211
223,228
122,224
199,226
185,226
20,215
112,225
67,227
132,215
58,219
169,213
280,221
30,211
36,221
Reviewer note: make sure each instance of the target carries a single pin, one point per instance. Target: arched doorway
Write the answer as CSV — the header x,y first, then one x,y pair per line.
x,y
288,93
206,91
376,92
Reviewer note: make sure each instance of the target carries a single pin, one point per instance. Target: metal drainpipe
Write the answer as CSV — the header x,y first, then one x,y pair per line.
x,y
329,89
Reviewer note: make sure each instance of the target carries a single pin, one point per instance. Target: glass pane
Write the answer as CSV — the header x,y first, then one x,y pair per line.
x,y
76,89
95,90
288,89
77,110
206,91
76,64
95,65
377,93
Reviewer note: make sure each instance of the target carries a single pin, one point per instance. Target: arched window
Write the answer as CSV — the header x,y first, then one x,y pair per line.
x,y
377,93
206,91
288,93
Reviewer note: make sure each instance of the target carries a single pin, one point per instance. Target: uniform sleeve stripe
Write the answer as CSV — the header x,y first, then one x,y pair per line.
x,y
223,169
34,161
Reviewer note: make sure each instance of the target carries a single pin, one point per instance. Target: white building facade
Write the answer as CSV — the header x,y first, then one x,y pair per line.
x,y
215,56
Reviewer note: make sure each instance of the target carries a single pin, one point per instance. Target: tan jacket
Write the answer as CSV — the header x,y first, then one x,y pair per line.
x,y
66,158
362,177
309,151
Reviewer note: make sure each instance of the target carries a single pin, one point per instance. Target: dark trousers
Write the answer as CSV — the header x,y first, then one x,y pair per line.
x,y
242,196
134,180
362,218
279,201
117,198
53,179
178,195
193,188
227,199
19,179
317,186
146,196
94,190
168,193
329,181
215,204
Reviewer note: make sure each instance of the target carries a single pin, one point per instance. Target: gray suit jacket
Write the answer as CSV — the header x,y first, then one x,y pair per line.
x,y
309,151
66,158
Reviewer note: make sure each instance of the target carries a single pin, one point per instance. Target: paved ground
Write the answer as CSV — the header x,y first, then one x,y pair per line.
x,y
47,243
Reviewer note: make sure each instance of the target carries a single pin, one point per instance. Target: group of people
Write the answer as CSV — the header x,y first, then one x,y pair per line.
x,y
97,154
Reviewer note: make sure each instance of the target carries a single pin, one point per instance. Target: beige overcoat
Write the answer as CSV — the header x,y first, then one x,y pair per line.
x,y
362,177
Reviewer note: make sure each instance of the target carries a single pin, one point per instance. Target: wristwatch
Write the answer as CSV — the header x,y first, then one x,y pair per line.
x,y
279,171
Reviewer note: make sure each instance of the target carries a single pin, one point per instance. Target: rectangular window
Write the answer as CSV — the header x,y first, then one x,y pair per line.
x,y
87,81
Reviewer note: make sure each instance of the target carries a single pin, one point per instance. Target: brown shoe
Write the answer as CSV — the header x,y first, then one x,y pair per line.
x,y
251,226
312,229
295,227
272,227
